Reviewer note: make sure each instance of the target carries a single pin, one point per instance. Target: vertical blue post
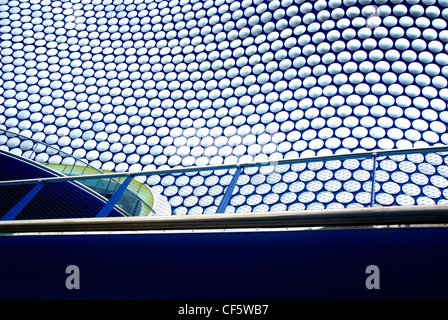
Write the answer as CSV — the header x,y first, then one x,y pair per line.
x,y
14,212
372,193
226,199
105,211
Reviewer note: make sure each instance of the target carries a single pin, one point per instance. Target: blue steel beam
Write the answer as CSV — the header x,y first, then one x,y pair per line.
x,y
226,199
105,211
15,211
372,191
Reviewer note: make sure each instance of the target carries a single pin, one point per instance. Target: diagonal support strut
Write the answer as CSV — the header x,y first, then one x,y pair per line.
x,y
15,211
226,199
105,211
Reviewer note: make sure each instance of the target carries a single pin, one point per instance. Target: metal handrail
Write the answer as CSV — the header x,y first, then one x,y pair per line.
x,y
367,154
335,218
48,146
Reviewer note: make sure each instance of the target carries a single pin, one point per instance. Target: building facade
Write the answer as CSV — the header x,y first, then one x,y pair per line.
x,y
142,85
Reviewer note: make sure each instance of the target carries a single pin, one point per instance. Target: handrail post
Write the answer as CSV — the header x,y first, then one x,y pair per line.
x,y
226,199
372,192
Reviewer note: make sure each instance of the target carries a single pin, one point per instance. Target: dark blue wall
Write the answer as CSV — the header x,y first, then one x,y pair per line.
x,y
249,265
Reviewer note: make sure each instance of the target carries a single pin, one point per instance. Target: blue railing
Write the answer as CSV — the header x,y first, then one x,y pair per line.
x,y
377,178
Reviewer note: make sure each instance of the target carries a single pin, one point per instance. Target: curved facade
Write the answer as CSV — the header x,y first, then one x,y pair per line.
x,y
45,201
140,85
